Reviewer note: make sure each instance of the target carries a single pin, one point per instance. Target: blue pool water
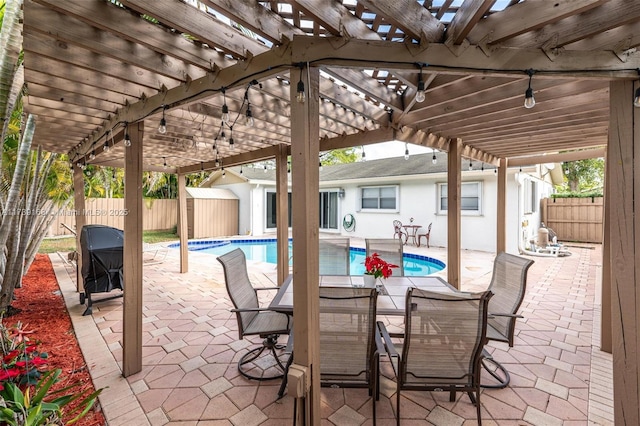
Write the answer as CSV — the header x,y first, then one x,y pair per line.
x,y
264,250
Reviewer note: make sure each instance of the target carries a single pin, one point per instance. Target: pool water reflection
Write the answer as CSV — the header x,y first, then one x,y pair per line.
x,y
264,250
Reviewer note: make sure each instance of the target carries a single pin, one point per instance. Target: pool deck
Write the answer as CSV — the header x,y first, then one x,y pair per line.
x,y
191,346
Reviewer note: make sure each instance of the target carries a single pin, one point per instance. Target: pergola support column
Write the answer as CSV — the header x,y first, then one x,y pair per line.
x,y
501,216
305,132
454,177
183,223
623,154
282,213
132,311
78,200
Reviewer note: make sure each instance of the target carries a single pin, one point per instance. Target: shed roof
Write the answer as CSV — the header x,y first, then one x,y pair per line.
x,y
211,193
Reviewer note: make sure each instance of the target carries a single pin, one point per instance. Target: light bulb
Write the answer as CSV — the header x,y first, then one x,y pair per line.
x,y
434,160
364,156
92,156
106,147
224,174
320,166
470,166
529,101
127,139
249,118
265,168
217,163
420,94
231,143
223,137
225,114
406,154
162,128
165,162
301,96
636,99
240,169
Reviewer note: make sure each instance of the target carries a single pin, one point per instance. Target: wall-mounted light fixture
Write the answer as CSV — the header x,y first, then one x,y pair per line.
x,y
341,193
529,101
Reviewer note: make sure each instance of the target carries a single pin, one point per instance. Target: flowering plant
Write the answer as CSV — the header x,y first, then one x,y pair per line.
x,y
377,267
21,360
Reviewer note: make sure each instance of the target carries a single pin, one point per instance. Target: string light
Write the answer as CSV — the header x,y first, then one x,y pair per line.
x,y
470,165
265,168
162,128
364,155
240,169
300,96
231,142
434,160
92,156
127,138
165,162
406,151
320,165
224,174
225,108
420,94
529,101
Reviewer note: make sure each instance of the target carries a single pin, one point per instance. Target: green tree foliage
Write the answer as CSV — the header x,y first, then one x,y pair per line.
x,y
339,156
583,175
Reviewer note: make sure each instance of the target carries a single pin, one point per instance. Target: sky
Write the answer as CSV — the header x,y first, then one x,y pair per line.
x,y
392,149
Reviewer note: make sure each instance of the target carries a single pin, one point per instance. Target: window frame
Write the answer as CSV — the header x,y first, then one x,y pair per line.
x,y
480,196
379,209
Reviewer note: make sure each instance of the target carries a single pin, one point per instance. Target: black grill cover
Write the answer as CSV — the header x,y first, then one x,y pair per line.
x,y
102,258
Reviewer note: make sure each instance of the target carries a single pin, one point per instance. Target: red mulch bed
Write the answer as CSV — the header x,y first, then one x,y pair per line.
x,y
43,311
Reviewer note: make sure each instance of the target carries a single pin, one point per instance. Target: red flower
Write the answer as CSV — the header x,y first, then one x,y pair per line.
x,y
377,267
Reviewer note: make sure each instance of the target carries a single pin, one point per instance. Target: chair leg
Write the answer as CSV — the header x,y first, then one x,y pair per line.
x,y
497,371
398,406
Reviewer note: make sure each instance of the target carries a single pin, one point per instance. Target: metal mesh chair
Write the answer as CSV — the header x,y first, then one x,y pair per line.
x,y
389,249
349,339
508,284
442,348
252,319
398,232
334,256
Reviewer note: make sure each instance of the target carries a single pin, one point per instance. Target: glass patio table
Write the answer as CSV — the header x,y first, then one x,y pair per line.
x,y
391,291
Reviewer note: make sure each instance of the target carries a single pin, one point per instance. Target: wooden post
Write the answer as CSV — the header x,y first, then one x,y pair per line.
x,y
132,315
282,213
454,176
78,200
605,319
305,131
183,223
623,156
501,225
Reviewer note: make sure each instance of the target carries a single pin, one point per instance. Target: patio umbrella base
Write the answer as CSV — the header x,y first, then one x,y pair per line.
x,y
269,344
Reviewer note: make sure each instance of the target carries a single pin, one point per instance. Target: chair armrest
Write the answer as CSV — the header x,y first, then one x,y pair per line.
x,y
252,310
493,314
266,288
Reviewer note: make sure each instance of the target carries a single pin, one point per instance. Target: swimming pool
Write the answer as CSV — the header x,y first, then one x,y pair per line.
x,y
264,250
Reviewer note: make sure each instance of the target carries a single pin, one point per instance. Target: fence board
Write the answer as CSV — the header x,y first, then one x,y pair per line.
x,y
157,215
574,219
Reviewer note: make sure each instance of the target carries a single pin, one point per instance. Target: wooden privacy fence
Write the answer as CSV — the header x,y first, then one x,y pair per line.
x,y
157,215
574,219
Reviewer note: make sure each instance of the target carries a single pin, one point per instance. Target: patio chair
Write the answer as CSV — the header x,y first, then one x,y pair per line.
x,y
398,232
349,342
508,284
443,343
252,319
389,249
153,254
425,235
334,256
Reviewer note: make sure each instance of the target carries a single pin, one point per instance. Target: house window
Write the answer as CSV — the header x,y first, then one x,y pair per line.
x,y
271,209
379,198
530,196
329,210
470,198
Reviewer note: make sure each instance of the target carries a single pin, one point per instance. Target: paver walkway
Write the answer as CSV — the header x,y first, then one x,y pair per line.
x,y
191,346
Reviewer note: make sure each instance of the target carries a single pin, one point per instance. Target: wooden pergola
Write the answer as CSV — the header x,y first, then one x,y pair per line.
x,y
99,72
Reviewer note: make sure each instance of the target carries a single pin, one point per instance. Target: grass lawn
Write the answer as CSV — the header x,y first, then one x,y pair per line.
x,y
65,244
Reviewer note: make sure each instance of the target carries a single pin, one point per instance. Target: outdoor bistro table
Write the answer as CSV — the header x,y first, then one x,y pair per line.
x,y
391,296
412,231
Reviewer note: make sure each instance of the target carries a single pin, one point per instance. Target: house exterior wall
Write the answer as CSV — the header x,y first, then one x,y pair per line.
x,y
417,198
